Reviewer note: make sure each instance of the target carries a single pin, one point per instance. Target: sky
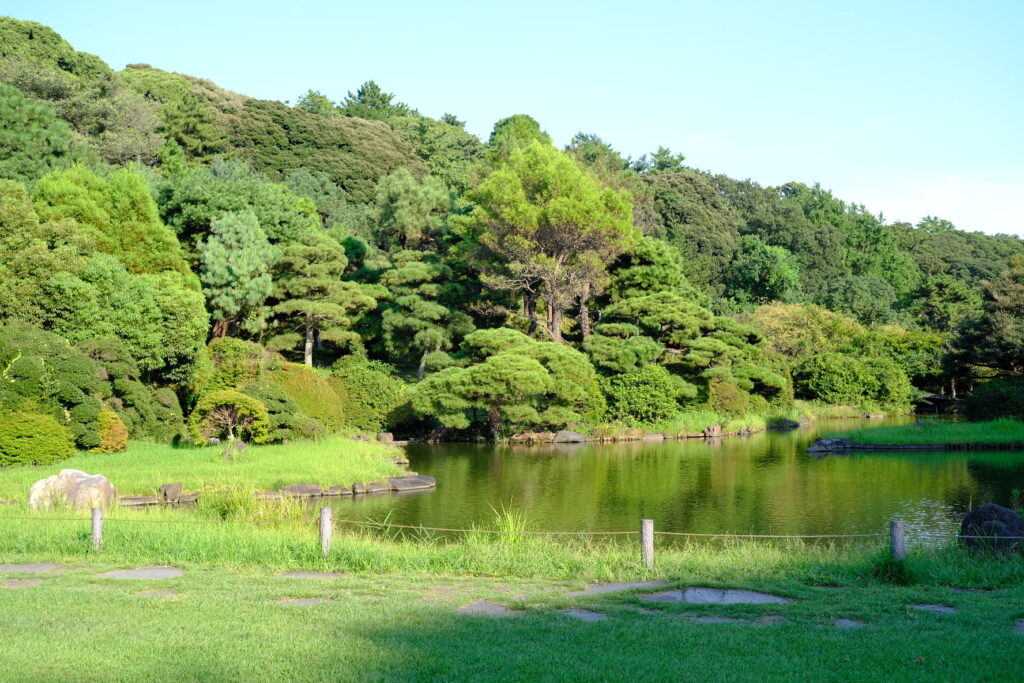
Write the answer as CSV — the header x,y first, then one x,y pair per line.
x,y
909,108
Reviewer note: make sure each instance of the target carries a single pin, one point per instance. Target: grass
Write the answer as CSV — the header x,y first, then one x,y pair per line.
x,y
997,431
393,616
144,467
697,420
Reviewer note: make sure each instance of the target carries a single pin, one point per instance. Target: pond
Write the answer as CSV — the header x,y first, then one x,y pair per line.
x,y
763,484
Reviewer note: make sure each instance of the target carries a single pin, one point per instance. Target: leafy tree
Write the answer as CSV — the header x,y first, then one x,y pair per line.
x,y
664,160
231,413
409,213
943,302
315,102
549,229
447,150
371,102
235,264
33,439
869,299
763,273
368,390
512,133
996,339
642,397
313,296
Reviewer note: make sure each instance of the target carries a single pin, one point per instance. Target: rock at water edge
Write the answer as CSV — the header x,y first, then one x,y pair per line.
x,y
1002,527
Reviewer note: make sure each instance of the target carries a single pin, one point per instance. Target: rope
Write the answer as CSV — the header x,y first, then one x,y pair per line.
x,y
679,533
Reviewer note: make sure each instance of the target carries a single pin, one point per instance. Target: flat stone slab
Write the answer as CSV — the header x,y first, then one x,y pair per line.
x,y
144,573
714,620
716,596
937,609
848,623
138,501
771,619
31,568
584,615
302,602
20,583
412,483
157,594
601,588
486,608
1019,626
309,575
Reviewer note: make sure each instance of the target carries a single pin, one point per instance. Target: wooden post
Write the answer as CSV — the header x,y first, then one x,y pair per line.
x,y
647,542
97,528
897,539
326,531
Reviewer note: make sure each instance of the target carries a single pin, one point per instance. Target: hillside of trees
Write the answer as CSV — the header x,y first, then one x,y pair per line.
x,y
178,261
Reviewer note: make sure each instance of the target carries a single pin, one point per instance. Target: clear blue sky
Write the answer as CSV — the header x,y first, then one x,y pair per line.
x,y
910,108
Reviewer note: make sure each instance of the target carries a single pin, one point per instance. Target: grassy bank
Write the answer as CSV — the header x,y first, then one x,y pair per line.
x,y
695,421
996,431
394,614
143,467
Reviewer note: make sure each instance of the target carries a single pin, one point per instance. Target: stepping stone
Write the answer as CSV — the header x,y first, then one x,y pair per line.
x,y
644,610
600,588
717,596
584,615
20,583
714,620
771,619
157,594
302,602
31,568
486,608
309,575
144,573
1019,626
848,623
937,609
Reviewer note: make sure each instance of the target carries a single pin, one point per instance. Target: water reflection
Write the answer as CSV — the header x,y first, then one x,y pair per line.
x,y
764,484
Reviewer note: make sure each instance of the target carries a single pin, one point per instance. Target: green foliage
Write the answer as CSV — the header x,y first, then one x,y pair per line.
x,y
113,434
285,418
447,150
236,362
762,273
409,213
641,397
311,392
189,122
33,439
33,140
943,302
845,379
652,266
996,338
514,133
996,398
371,102
368,391
229,413
315,102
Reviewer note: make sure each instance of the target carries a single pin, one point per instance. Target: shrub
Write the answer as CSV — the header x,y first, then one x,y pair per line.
x,y
844,379
312,393
367,391
996,398
283,411
727,399
112,432
236,362
33,439
229,413
641,397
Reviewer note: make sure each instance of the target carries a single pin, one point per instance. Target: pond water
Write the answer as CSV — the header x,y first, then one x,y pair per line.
x,y
764,484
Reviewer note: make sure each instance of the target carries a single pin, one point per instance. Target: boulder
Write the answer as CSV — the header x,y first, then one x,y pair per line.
x,y
713,431
170,492
74,488
358,487
566,436
338,491
188,497
654,436
377,487
533,437
305,490
830,445
412,483
784,425
386,437
212,441
1004,527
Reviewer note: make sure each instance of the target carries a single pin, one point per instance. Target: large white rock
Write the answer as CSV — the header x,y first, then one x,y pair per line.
x,y
73,488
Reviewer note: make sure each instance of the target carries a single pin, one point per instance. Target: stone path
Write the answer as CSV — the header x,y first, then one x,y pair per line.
x,y
848,623
584,615
711,619
302,602
20,583
486,608
1019,626
144,573
716,596
601,588
937,609
310,575
32,568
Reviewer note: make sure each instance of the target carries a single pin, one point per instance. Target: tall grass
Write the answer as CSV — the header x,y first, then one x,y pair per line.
x,y
143,467
935,432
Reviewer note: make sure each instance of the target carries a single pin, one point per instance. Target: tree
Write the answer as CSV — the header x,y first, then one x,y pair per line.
x,y
943,302
996,339
33,140
512,133
235,264
763,273
316,103
231,413
409,213
550,229
313,296
371,102
191,124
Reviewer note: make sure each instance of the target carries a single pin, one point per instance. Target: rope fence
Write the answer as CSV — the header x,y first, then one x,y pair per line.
x,y
897,532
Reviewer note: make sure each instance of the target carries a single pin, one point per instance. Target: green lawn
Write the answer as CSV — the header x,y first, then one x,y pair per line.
x,y
997,431
143,467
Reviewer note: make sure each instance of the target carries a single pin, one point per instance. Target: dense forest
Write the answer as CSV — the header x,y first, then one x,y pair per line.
x,y
179,262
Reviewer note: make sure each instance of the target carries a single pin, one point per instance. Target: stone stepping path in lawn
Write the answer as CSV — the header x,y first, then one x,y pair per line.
x,y
716,596
486,608
711,619
1019,626
848,623
20,583
937,609
602,588
32,568
584,615
144,573
309,575
302,602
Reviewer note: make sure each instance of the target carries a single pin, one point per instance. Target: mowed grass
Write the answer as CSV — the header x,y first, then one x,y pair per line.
x,y
394,614
144,467
996,431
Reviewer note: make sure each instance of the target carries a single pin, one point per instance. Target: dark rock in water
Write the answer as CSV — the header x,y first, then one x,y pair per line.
x,y
170,492
566,436
829,445
713,431
302,490
1003,528
412,483
874,416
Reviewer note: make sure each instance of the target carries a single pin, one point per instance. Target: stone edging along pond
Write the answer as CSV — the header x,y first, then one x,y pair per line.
x,y
846,445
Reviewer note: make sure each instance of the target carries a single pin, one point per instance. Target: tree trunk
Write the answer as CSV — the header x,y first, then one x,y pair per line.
x,y
220,328
310,334
494,418
585,311
530,309
556,322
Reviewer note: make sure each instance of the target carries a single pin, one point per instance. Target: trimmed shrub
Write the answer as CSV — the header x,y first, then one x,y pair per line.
x,y
229,413
33,439
367,391
312,393
112,432
727,399
842,379
641,397
996,398
284,413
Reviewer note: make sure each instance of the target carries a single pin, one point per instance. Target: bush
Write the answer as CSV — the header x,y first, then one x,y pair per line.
x,y
996,398
285,420
237,362
367,391
312,393
840,379
229,413
641,397
727,399
33,439
112,432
